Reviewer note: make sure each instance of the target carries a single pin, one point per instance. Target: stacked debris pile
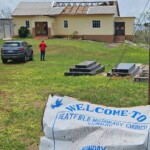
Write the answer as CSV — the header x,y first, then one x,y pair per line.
x,y
85,68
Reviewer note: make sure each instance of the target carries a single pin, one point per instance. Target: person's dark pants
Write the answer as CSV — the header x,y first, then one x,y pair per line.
x,y
42,55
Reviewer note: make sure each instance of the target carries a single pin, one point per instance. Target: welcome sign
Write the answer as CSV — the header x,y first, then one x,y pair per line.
x,y
69,124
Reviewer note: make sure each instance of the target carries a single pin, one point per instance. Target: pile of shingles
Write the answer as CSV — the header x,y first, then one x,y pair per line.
x,y
124,69
143,75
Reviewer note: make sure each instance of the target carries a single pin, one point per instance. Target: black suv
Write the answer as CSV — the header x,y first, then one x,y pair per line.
x,y
16,50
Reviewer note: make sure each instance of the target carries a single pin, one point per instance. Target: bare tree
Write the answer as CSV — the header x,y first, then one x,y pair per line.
x,y
5,13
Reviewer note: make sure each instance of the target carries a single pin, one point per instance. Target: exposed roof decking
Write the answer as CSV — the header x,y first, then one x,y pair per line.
x,y
75,10
89,10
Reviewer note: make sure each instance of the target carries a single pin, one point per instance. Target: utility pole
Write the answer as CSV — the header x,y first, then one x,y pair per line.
x,y
148,26
149,57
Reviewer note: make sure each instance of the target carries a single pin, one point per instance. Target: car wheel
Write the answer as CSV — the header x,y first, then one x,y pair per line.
x,y
4,61
31,58
25,58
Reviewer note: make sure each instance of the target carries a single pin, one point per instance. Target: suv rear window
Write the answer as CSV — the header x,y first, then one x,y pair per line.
x,y
11,44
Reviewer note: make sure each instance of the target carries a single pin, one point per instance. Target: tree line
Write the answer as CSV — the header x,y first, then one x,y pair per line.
x,y
142,29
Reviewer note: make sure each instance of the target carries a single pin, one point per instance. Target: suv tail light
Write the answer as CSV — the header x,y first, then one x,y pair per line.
x,y
21,48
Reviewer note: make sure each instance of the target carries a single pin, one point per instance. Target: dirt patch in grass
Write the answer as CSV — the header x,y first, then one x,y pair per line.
x,y
5,105
39,104
33,147
112,45
3,94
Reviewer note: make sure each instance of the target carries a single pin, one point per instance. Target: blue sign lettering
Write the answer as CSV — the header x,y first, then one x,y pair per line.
x,y
139,118
136,127
93,147
88,108
100,110
79,107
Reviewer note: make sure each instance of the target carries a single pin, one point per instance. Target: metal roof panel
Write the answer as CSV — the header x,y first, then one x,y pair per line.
x,y
39,8
28,11
102,10
55,10
40,5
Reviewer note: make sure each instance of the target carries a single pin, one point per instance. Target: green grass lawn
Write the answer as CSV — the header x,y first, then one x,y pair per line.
x,y
25,87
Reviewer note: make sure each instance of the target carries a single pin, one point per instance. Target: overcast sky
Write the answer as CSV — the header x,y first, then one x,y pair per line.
x,y
127,7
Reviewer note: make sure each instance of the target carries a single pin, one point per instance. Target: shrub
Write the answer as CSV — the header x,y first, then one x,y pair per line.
x,y
23,32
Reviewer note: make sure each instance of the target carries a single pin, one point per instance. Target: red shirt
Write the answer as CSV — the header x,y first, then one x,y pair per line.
x,y
42,46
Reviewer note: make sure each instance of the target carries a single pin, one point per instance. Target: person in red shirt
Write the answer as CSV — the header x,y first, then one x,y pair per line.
x,y
42,47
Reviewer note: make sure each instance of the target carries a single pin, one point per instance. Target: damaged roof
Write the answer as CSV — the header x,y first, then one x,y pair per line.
x,y
65,8
89,10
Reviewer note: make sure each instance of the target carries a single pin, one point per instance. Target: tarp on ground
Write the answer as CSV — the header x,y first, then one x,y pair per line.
x,y
69,124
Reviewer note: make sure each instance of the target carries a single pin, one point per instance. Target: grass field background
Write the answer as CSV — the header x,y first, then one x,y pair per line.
x,y
25,87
